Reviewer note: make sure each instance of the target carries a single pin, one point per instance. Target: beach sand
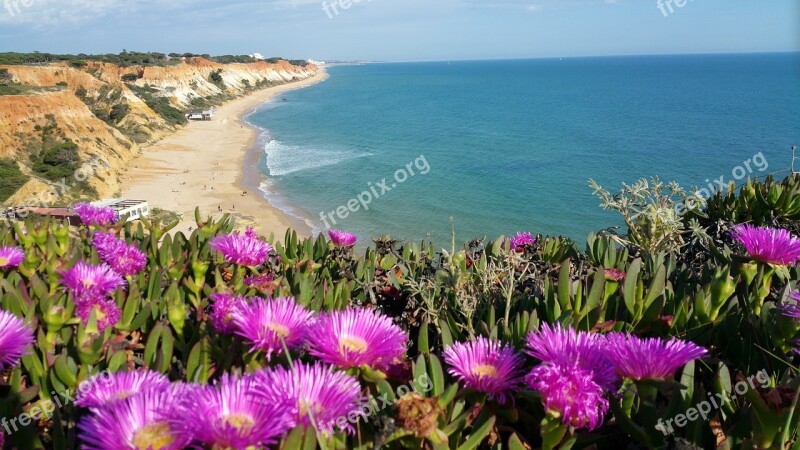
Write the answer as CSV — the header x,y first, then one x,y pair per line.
x,y
202,165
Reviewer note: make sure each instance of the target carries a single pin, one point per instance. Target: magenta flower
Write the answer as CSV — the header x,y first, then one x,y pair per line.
x,y
487,366
556,345
15,340
106,312
792,307
521,240
267,324
94,215
125,259
230,415
314,392
243,250
342,239
108,389
88,282
768,245
261,282
143,421
11,257
649,359
223,310
356,337
614,274
571,393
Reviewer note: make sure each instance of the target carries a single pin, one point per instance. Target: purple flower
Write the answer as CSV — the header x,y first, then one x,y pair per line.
x,y
266,323
614,274
123,258
486,366
649,359
342,239
15,339
108,389
571,393
223,310
143,421
768,245
88,282
261,282
243,250
106,312
230,415
356,337
521,240
556,345
315,392
94,215
10,257
792,307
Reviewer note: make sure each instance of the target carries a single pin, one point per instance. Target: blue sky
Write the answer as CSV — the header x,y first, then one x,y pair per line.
x,y
401,29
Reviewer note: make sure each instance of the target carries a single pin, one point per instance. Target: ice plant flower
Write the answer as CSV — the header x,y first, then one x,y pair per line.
x,y
768,245
106,312
614,274
316,394
342,239
10,257
88,282
144,421
486,366
649,358
268,324
106,390
792,307
554,345
242,250
95,215
228,415
569,393
356,337
521,240
15,339
125,259
223,310
261,282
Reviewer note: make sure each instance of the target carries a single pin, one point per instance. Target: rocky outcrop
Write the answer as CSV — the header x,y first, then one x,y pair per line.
x,y
109,119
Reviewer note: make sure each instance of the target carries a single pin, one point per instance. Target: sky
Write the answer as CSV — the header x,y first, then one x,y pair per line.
x,y
402,30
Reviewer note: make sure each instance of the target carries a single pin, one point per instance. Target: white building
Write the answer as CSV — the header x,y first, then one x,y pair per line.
x,y
257,56
316,63
133,209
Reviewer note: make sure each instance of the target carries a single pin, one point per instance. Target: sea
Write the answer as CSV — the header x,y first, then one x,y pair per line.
x,y
421,150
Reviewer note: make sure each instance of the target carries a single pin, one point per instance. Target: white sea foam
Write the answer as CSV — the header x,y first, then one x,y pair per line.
x,y
285,159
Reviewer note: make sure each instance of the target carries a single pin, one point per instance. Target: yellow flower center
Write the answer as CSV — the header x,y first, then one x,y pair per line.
x,y
352,344
3,261
87,283
278,329
484,370
304,406
99,313
240,421
154,436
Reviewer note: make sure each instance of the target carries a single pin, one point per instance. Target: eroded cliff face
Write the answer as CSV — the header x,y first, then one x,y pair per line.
x,y
108,119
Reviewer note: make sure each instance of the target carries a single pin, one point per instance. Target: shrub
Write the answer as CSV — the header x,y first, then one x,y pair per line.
x,y
130,77
11,178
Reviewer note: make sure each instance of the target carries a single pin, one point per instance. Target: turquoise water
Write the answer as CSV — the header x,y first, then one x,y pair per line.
x,y
510,145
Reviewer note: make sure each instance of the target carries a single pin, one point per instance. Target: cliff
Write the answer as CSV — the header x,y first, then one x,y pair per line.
x,y
62,116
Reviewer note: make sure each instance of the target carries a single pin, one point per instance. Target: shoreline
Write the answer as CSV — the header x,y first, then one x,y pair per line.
x,y
210,165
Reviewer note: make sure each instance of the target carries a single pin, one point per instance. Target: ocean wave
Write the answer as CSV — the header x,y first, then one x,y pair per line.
x,y
278,201
285,159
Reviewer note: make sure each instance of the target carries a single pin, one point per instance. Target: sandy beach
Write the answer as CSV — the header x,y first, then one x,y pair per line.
x,y
202,165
